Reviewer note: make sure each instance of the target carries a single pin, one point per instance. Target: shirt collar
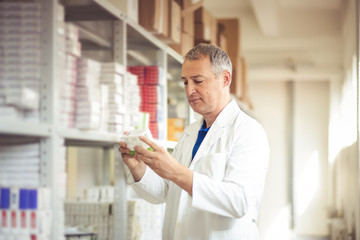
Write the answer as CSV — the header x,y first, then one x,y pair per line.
x,y
203,127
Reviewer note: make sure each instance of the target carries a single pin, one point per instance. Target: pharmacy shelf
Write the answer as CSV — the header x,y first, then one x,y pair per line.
x,y
75,137
141,39
21,128
175,58
91,10
126,39
92,41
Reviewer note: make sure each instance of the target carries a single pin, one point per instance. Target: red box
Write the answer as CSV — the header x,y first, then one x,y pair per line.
x,y
149,94
150,108
140,72
154,129
152,75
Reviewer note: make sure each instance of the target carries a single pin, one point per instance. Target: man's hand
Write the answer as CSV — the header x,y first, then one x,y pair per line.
x,y
164,164
137,167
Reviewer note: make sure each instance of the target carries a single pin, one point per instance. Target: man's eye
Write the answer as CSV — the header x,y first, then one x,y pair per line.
x,y
198,81
185,82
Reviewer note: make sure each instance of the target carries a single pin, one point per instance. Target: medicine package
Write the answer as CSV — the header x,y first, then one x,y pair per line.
x,y
132,139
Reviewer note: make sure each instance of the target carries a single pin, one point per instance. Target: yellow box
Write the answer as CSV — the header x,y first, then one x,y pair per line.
x,y
175,128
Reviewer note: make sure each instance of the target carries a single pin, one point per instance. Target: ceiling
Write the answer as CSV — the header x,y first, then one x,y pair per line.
x,y
287,39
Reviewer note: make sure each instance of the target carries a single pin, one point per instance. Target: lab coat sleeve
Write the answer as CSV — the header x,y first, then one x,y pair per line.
x,y
151,187
241,188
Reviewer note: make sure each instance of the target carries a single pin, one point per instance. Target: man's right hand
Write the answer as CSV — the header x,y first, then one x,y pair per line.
x,y
136,167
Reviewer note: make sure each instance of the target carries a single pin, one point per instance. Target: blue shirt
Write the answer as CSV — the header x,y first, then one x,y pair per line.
x,y
201,135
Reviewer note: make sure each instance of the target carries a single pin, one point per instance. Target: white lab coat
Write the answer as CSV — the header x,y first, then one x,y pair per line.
x,y
229,172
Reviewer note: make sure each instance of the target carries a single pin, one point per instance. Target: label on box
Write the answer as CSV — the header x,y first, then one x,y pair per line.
x,y
4,221
33,220
23,224
13,221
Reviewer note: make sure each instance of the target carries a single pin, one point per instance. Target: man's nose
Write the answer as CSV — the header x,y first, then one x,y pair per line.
x,y
190,88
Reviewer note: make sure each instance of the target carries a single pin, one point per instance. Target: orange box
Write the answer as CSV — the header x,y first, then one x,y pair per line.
x,y
187,43
154,16
175,128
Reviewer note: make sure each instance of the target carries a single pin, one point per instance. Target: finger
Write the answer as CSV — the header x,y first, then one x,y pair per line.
x,y
144,158
152,144
141,150
124,150
122,144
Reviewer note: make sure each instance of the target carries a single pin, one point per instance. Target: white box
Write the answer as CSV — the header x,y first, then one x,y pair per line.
x,y
112,68
129,7
111,78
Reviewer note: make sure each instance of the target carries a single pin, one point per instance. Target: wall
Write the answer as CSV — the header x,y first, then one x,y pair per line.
x,y
343,139
310,168
273,108
325,133
270,100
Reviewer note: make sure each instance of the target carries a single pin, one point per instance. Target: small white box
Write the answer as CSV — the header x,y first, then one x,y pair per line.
x,y
132,139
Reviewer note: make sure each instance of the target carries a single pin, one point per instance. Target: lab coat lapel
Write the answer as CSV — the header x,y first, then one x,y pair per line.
x,y
190,140
210,139
225,118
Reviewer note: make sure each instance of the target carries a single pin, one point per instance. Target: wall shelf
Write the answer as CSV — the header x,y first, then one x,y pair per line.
x,y
92,10
118,39
75,137
92,41
21,128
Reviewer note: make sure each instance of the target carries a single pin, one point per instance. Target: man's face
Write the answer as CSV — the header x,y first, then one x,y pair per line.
x,y
203,90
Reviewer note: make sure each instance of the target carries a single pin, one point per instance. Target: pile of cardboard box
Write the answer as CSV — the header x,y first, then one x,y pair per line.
x,y
184,23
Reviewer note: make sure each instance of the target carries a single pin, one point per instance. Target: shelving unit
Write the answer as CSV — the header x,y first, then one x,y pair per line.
x,y
124,42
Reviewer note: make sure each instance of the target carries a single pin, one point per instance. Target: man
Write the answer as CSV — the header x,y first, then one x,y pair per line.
x,y
213,182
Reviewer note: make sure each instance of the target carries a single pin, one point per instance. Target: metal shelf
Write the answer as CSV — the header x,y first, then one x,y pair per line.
x,y
76,137
92,10
21,128
175,58
91,41
140,39
127,37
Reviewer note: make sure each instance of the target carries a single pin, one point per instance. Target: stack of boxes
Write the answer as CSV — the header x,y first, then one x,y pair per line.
x,y
20,165
162,18
112,76
92,213
132,102
88,95
151,95
68,63
230,30
25,213
205,27
150,218
134,230
20,60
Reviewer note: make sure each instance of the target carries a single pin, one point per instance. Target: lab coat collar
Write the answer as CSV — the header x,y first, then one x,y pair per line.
x,y
225,118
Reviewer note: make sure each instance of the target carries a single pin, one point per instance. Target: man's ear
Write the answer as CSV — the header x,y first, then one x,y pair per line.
x,y
227,78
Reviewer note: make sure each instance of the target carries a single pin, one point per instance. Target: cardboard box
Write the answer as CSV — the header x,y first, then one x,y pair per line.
x,y
189,3
175,128
187,43
236,82
222,42
188,25
175,22
244,81
129,7
153,16
231,31
205,26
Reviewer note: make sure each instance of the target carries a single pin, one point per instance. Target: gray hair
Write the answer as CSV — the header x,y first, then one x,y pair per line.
x,y
219,59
